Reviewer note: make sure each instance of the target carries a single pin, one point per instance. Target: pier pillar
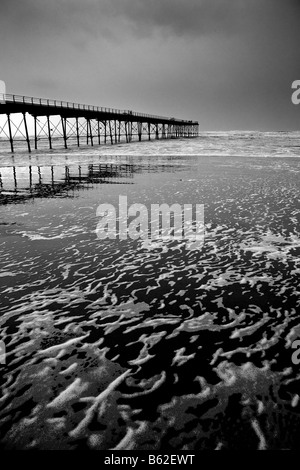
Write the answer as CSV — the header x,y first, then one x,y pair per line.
x,y
87,131
110,132
26,133
98,126
63,123
91,132
35,133
11,139
115,129
49,132
77,132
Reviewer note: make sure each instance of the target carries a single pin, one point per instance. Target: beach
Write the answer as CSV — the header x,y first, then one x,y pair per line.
x,y
145,344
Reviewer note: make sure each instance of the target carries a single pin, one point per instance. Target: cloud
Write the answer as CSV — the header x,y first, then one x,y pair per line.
x,y
223,61
196,18
176,17
142,18
37,17
116,18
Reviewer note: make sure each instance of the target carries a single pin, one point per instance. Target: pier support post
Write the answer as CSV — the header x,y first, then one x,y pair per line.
x,y
26,132
77,132
130,131
110,132
87,131
115,129
35,133
98,127
11,139
91,132
49,132
63,123
156,131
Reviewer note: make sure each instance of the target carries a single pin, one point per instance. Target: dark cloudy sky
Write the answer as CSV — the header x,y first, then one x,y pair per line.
x,y
227,63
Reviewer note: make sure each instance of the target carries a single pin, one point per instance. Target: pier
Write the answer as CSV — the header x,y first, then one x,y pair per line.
x,y
67,124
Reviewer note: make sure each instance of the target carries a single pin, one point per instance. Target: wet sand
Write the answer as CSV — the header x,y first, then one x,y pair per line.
x,y
146,345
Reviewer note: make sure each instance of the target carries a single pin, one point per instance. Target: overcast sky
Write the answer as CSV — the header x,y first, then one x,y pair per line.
x,y
227,63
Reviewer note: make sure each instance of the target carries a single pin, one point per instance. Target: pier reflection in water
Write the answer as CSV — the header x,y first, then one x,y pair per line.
x,y
19,183
53,181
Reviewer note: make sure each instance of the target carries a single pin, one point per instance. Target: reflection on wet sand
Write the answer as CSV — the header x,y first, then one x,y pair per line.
x,y
73,179
19,185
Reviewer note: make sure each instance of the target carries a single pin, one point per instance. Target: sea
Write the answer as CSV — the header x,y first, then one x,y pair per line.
x,y
142,343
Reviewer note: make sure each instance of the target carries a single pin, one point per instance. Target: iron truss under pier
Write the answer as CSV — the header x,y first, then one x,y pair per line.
x,y
77,124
